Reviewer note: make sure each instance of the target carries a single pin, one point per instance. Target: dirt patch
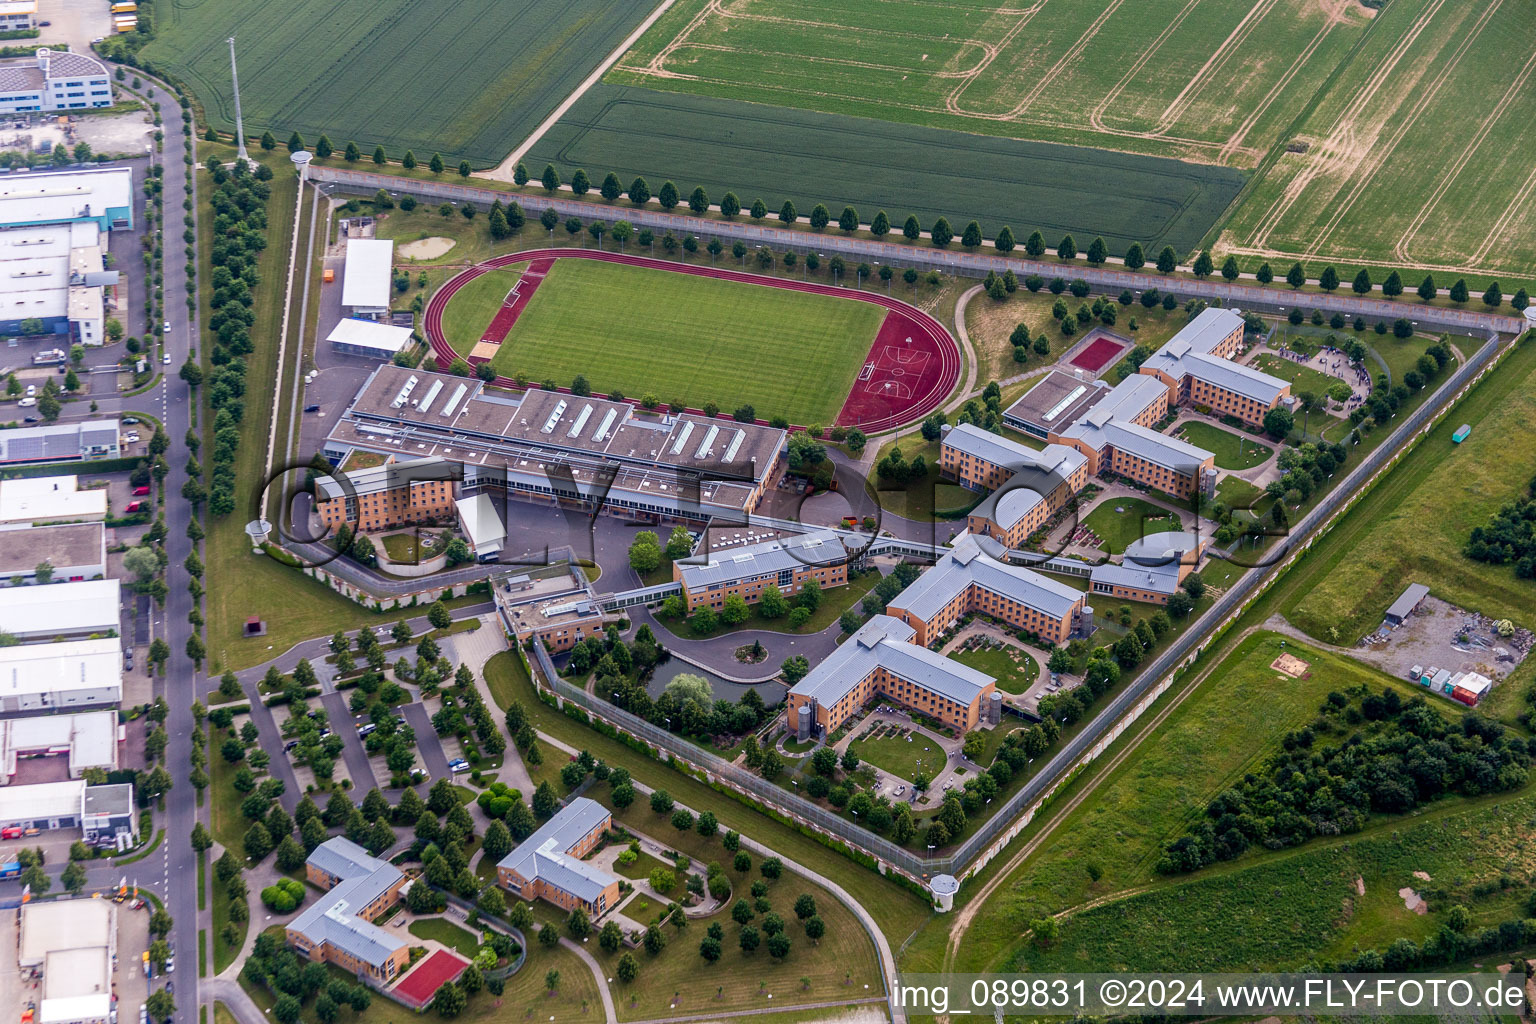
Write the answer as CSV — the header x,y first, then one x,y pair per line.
x,y
1290,665
1359,886
1422,876
427,248
1413,901
1441,635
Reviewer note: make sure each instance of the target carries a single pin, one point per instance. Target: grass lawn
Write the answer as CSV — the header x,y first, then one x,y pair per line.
x,y
920,496
1232,450
902,752
1119,521
692,339
1014,670
990,325
469,312
400,546
229,827
1413,526
1235,492
1150,798
1302,378
896,910
575,1000
642,866
446,932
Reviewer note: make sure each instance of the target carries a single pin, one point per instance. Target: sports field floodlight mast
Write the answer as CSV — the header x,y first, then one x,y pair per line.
x,y
234,80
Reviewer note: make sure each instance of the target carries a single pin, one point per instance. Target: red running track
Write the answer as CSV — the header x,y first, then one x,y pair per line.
x,y
514,304
911,368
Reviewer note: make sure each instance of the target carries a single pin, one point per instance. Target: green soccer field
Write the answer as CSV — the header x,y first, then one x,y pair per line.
x,y
469,78
691,340
467,316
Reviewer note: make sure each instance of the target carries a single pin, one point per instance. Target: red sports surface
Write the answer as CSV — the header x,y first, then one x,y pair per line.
x,y
912,367
514,304
1098,353
418,985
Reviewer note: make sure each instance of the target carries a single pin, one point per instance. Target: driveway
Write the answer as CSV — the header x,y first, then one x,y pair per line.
x,y
358,767
427,743
271,740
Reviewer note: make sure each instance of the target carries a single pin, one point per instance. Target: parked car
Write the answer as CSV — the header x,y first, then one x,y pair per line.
x,y
133,506
166,359
290,745
139,492
11,832
311,408
458,765
170,964
30,419
129,420
31,390
366,730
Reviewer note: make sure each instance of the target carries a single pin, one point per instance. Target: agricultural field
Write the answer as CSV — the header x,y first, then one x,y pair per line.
x,y
811,157
471,80
1414,525
1232,450
1217,84
1430,76
691,339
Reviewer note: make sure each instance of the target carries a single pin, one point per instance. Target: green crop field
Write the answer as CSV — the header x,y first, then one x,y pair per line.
x,y
691,339
468,78
1430,77
1232,451
1419,520
811,157
1218,84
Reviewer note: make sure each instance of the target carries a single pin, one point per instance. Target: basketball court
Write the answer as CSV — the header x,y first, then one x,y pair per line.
x,y
905,376
1098,351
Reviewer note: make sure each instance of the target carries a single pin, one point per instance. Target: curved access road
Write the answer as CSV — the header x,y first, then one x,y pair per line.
x,y
914,327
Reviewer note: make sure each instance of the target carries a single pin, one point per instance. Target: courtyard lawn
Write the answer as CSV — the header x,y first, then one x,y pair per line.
x,y
834,601
1232,451
467,316
690,340
449,934
642,867
1235,492
1014,670
1119,521
1302,378
900,750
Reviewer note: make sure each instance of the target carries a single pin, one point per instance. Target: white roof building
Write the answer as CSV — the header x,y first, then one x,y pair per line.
x,y
366,278
368,337
89,740
61,610
72,675
72,942
484,528
103,194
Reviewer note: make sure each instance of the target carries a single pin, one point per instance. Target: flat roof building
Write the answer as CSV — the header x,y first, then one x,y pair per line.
x,y
55,274
73,675
1196,365
553,604
356,337
60,442
784,562
338,928
548,865
1055,403
53,80
80,610
74,552
72,943
18,15
1151,568
565,450
50,499
89,740
100,194
1406,604
882,658
367,279
101,812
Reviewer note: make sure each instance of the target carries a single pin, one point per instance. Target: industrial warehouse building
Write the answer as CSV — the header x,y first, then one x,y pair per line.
x,y
72,675
72,944
563,450
103,195
91,608
50,499
882,659
85,441
367,279
55,275
53,80
88,740
104,814
548,865
74,552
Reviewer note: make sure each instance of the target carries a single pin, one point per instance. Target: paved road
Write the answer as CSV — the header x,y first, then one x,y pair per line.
x,y
271,740
358,767
432,756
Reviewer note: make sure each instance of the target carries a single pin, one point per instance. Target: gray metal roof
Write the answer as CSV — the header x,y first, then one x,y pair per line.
x,y
966,564
1158,579
885,642
819,548
1188,353
56,441
1151,562
332,917
543,854
1158,449
1408,601
1037,477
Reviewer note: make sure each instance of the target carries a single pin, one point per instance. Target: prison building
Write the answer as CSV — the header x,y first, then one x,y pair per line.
x,y
1028,486
1116,436
966,580
414,492
785,562
1151,569
553,604
548,865
884,658
1196,367
367,277
562,450
337,928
